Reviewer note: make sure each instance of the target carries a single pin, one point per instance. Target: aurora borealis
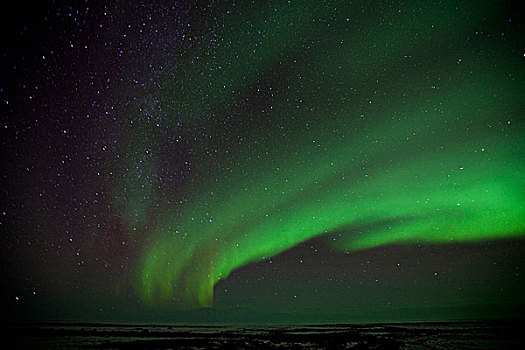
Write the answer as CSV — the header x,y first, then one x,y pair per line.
x,y
160,155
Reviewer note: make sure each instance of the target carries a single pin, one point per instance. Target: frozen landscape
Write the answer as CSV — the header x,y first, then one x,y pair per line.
x,y
449,335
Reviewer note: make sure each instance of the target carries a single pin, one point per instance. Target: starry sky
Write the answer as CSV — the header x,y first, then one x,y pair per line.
x,y
262,162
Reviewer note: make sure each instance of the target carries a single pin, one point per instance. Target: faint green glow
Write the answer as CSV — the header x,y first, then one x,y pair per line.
x,y
384,143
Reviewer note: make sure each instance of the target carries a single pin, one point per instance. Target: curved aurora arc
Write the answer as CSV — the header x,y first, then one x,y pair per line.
x,y
376,147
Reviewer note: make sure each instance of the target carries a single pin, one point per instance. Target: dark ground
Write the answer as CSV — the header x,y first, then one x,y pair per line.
x,y
448,335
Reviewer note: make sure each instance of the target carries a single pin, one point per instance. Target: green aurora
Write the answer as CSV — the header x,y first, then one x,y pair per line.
x,y
375,126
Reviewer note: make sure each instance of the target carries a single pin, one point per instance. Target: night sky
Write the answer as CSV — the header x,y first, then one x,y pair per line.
x,y
267,161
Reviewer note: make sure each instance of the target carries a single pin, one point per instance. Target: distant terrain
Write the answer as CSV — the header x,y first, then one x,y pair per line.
x,y
448,335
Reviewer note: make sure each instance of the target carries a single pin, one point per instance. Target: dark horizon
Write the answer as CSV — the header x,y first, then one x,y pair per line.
x,y
487,335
